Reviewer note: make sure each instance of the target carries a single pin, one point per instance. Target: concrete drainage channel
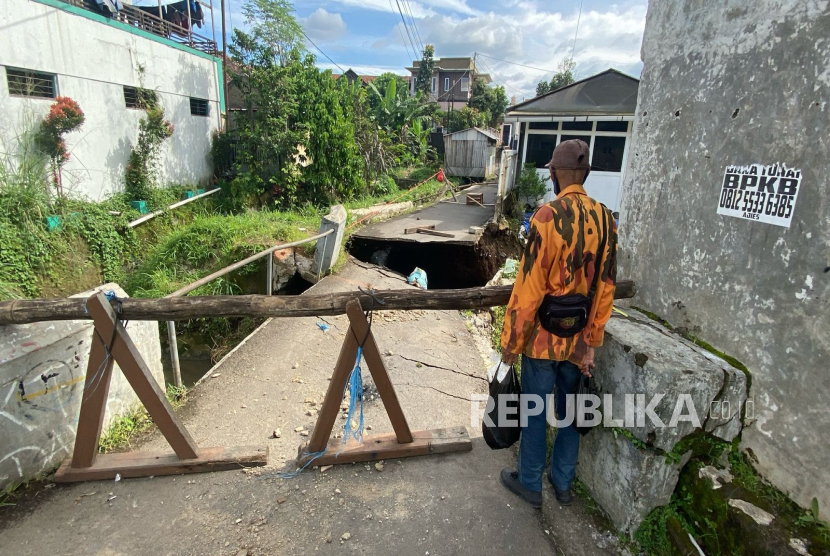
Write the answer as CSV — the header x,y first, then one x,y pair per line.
x,y
292,275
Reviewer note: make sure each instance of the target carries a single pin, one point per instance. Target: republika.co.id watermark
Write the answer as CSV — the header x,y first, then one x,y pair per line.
x,y
589,410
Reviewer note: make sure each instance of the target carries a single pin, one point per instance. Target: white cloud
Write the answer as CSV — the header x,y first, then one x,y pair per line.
x,y
534,37
324,26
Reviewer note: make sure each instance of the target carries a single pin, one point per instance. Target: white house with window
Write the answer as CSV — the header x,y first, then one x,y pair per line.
x,y
111,65
599,110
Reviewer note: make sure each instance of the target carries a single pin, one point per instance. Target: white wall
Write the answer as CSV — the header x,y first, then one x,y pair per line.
x,y
93,60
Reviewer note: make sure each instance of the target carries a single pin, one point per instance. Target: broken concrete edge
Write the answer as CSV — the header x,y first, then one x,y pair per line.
x,y
731,396
684,333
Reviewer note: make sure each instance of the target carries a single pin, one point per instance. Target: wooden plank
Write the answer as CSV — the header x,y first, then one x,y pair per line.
x,y
140,377
145,464
415,230
93,403
379,373
435,233
386,446
334,396
22,311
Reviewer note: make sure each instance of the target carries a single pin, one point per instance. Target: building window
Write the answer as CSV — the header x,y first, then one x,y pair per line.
x,y
465,84
29,83
539,149
586,138
434,85
136,97
577,126
608,154
544,125
446,83
612,126
198,106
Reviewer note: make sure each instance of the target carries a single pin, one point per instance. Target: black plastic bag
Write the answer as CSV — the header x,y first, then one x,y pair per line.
x,y
585,387
503,437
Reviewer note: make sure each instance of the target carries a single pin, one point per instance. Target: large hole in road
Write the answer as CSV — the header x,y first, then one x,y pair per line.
x,y
448,265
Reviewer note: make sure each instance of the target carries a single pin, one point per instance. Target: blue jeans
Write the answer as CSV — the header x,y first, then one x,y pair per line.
x,y
539,376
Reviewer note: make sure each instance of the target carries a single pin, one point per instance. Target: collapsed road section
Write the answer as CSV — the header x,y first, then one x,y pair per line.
x,y
456,241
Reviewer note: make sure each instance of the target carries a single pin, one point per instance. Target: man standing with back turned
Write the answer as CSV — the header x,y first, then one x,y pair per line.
x,y
557,315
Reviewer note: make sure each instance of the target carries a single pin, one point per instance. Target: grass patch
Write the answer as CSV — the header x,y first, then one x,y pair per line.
x,y
211,243
126,427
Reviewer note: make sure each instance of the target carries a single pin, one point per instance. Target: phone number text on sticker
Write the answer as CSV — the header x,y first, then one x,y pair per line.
x,y
762,193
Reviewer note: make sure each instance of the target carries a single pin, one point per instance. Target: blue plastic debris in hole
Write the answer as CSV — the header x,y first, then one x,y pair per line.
x,y
418,278
322,326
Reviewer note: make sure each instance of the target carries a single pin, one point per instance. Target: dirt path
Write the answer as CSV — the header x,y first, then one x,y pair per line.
x,y
447,504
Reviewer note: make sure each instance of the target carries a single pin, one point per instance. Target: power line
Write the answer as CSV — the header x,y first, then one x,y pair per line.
x,y
414,25
573,50
403,19
321,50
408,52
516,63
502,80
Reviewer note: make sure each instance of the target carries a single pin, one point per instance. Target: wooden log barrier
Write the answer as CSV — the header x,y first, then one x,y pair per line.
x,y
22,311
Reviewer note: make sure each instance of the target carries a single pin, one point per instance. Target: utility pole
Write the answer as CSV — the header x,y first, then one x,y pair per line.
x,y
224,63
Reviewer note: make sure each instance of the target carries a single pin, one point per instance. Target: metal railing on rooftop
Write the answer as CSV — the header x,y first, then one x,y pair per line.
x,y
145,20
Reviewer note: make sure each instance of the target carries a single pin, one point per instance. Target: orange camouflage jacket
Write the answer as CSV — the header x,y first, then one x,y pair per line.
x,y
561,259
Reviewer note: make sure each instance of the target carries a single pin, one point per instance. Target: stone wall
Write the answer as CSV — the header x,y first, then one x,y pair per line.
x,y
738,83
42,371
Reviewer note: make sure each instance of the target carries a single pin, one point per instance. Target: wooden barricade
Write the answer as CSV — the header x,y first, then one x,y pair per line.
x,y
111,344
403,443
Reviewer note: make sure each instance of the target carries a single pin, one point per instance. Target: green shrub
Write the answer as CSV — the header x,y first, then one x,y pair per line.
x,y
530,187
142,167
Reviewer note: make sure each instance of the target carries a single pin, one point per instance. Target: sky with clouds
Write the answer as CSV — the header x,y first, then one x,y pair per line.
x,y
368,35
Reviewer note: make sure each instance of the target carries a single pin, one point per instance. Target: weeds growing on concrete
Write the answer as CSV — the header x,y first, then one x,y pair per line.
x,y
127,427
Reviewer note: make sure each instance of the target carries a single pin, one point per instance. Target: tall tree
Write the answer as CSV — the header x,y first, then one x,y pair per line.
x,y
564,75
424,84
543,87
273,26
489,101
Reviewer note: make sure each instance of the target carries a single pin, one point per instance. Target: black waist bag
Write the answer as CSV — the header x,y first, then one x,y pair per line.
x,y
567,315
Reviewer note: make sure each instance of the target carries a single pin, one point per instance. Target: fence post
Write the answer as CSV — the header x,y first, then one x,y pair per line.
x,y
269,273
174,353
326,252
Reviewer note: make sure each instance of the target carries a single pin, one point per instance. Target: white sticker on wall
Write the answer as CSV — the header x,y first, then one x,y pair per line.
x,y
762,193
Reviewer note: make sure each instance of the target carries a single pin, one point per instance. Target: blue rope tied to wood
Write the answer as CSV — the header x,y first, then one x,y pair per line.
x,y
355,386
356,394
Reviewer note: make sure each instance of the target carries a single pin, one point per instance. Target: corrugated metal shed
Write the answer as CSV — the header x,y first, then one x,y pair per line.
x,y
470,152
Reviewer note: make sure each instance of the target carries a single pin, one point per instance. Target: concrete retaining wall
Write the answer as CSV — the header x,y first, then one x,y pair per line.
x,y
42,371
641,357
738,83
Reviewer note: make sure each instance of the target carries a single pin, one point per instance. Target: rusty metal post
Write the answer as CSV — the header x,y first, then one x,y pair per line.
x,y
269,273
174,353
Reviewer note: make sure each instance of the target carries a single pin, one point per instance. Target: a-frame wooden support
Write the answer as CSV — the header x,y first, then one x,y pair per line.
x,y
403,443
85,463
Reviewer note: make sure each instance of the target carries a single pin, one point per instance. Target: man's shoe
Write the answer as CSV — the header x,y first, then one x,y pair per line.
x,y
510,479
564,497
